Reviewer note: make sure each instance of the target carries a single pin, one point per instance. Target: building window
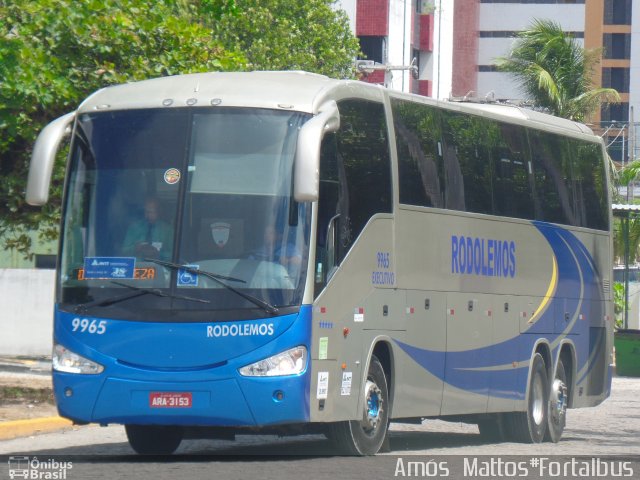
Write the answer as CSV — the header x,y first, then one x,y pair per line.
x,y
373,48
615,112
617,45
515,33
617,78
617,12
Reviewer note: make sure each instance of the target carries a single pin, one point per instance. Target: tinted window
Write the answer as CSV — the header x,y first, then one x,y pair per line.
x,y
550,158
453,160
617,12
589,185
420,165
355,181
616,45
467,142
363,149
512,189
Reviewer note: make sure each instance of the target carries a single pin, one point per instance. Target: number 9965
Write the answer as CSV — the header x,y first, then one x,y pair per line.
x,y
83,325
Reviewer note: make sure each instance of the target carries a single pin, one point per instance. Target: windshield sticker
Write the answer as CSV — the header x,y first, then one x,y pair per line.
x,y
186,278
220,233
172,176
147,273
109,267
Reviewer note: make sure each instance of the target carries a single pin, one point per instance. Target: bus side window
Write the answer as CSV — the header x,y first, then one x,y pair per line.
x,y
327,207
355,181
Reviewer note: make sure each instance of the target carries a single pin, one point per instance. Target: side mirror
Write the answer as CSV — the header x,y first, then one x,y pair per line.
x,y
43,158
306,177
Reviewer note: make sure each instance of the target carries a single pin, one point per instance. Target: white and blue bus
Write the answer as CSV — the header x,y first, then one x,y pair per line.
x,y
283,252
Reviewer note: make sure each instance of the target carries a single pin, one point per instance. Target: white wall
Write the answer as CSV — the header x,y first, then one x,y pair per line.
x,y
26,311
443,48
517,17
399,44
349,6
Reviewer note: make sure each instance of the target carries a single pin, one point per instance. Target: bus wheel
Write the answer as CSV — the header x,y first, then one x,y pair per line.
x,y
531,426
366,436
154,439
558,399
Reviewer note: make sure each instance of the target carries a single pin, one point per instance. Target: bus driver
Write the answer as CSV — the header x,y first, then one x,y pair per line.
x,y
150,237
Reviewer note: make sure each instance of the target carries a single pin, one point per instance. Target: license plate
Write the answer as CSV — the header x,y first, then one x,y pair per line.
x,y
170,400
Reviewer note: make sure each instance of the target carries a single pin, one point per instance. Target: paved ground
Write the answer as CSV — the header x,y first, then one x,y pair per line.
x,y
18,375
611,428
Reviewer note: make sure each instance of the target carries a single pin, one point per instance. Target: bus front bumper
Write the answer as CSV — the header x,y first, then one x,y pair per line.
x,y
237,402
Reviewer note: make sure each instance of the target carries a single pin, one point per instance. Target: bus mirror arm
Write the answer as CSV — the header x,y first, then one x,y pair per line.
x,y
43,158
307,162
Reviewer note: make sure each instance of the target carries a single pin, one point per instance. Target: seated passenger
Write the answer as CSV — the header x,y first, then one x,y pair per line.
x,y
150,237
274,249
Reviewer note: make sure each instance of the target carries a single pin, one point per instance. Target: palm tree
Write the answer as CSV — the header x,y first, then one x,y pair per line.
x,y
555,71
625,177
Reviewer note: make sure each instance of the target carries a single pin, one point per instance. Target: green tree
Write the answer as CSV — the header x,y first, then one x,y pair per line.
x,y
556,72
53,53
290,35
624,178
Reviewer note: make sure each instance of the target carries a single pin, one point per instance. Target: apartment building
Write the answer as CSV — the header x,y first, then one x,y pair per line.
x,y
455,44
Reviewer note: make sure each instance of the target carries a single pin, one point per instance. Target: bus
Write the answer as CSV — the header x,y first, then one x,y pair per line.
x,y
329,256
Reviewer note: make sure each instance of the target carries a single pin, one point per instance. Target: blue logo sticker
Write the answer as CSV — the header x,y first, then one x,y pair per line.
x,y
188,279
109,267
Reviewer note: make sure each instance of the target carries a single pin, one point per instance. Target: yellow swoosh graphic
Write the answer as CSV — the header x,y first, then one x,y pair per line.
x,y
550,291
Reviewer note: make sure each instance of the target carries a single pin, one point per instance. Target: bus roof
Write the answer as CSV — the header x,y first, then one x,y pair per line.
x,y
277,90
290,90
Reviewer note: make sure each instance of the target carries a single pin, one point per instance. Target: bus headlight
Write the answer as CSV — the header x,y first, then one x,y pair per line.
x,y
289,362
65,360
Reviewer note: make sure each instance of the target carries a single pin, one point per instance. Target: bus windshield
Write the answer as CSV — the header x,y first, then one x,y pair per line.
x,y
208,189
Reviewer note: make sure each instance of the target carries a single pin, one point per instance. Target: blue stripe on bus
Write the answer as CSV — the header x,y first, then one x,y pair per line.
x,y
490,369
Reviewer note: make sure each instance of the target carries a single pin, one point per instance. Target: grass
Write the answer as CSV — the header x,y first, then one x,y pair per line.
x,y
17,395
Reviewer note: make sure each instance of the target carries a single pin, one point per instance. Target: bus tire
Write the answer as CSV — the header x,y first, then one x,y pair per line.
x,y
154,439
530,426
557,410
366,436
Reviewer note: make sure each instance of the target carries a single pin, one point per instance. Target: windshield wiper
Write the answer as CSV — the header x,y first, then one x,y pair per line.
x,y
137,292
266,306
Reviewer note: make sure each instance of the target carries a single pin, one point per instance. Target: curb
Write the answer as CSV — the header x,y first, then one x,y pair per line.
x,y
26,428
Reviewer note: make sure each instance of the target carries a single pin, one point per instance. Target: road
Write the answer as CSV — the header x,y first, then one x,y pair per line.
x,y
612,428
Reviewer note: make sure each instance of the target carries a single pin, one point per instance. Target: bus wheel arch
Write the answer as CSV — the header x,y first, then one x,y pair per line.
x,y
383,352
568,358
369,434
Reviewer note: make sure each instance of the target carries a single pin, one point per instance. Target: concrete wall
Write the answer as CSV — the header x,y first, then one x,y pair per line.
x,y
26,311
